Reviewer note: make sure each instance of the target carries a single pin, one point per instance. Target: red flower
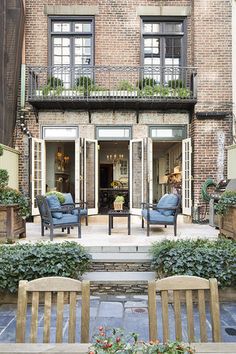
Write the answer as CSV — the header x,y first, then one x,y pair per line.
x,y
100,328
117,339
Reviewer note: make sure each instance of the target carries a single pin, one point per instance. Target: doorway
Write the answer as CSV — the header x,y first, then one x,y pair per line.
x,y
113,173
60,167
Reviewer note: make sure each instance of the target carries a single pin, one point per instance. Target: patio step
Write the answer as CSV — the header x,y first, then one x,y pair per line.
x,y
121,257
119,277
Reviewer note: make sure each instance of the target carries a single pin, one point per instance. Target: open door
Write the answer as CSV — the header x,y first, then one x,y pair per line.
x,y
78,171
90,175
37,175
186,176
149,169
136,179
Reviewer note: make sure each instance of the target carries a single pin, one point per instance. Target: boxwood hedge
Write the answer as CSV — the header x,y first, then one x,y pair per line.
x,y
32,261
203,258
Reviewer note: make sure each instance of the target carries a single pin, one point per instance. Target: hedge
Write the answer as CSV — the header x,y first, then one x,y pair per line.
x,y
203,258
32,261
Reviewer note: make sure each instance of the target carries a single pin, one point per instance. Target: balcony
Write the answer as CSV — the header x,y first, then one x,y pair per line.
x,y
128,87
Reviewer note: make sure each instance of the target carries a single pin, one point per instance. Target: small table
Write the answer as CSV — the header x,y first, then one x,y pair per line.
x,y
118,214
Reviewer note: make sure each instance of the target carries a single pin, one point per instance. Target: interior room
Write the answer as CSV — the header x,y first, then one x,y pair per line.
x,y
167,168
60,170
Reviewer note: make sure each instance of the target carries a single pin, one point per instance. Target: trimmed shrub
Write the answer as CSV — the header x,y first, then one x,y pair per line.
x,y
32,261
200,258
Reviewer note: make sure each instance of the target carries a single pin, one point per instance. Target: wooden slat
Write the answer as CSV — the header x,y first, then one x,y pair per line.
x,y
189,310
34,317
177,310
47,316
202,315
72,319
215,310
21,312
59,321
152,310
85,311
165,315
182,282
54,284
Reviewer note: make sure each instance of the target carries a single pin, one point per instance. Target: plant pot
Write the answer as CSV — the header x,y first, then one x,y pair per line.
x,y
12,225
227,223
118,205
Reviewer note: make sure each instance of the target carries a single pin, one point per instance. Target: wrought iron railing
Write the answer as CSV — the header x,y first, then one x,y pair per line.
x,y
111,82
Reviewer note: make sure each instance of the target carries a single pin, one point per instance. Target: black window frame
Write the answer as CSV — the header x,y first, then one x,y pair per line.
x,y
162,20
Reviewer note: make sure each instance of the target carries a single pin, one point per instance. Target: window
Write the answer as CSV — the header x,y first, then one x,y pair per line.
x,y
71,49
163,49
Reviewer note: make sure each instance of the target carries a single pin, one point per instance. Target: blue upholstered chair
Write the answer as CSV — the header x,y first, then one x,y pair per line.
x,y
69,202
53,215
163,213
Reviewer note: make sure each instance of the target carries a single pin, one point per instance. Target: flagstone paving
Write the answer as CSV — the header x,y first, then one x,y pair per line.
x,y
128,312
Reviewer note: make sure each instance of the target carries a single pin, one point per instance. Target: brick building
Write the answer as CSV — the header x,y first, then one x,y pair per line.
x,y
136,92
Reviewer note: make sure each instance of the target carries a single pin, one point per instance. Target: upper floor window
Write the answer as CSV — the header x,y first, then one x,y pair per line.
x,y
163,47
71,46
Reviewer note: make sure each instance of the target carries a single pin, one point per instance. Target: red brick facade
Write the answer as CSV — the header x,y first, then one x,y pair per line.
x,y
117,42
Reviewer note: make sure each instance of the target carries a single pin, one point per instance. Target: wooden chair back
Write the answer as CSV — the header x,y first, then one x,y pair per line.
x,y
183,289
65,290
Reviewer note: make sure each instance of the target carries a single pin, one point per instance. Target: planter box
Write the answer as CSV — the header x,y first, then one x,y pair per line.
x,y
12,225
227,223
118,205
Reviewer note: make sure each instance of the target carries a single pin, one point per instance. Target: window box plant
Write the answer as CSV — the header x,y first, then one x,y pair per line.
x,y
118,202
226,209
13,210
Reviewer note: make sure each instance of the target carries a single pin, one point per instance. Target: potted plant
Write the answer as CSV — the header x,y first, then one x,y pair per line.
x,y
226,209
118,202
13,209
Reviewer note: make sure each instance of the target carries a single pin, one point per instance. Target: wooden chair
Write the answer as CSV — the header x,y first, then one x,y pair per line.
x,y
45,288
182,287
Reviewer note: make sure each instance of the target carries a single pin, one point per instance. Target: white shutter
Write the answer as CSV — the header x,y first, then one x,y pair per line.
x,y
186,176
90,176
38,170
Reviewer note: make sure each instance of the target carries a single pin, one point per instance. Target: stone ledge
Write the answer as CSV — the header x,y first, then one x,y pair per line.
x,y
121,257
119,277
70,10
163,10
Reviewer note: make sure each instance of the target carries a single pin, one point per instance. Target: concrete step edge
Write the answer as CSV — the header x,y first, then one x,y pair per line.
x,y
119,277
118,249
121,257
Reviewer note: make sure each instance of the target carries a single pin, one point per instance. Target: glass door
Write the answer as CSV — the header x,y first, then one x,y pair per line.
x,y
186,177
136,175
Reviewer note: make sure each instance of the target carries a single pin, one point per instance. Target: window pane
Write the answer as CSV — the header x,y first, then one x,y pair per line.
x,y
66,50
61,27
78,27
57,60
78,60
78,50
57,41
83,27
57,50
65,42
56,27
173,27
66,60
65,27
86,42
87,27
151,27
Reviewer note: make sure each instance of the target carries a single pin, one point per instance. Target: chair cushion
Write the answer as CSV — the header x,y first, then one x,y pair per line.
x,y
155,217
68,198
66,219
54,203
168,200
82,212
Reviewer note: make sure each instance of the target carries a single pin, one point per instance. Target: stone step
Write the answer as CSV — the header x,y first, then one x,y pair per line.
x,y
118,249
119,257
119,277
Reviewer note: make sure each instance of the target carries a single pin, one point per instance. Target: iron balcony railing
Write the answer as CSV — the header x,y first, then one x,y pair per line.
x,y
85,83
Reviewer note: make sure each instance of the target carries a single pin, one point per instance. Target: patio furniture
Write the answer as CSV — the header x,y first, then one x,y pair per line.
x,y
44,290
165,212
53,215
183,288
69,202
118,214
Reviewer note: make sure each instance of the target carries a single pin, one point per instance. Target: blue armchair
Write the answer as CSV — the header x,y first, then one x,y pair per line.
x,y
53,215
69,202
165,212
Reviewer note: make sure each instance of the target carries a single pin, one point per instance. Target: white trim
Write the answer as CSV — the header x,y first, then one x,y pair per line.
x,y
186,176
77,170
149,169
41,143
91,211
136,211
63,133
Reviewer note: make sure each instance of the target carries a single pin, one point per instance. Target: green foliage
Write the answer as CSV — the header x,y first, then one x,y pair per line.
x,y
119,199
4,177
1,150
12,196
84,81
227,199
162,90
59,196
175,84
201,258
32,261
54,82
125,85
182,92
115,340
146,82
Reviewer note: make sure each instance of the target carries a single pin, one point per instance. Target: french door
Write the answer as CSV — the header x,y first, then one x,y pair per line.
x,y
186,176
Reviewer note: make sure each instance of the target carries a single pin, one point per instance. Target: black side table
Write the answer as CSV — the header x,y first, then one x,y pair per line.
x,y
118,214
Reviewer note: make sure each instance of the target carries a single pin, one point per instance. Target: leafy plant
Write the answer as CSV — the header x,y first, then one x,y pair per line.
x,y
59,195
1,150
84,81
162,90
175,83
182,92
114,340
32,261
146,82
126,86
119,199
4,177
201,258
227,199
54,82
12,196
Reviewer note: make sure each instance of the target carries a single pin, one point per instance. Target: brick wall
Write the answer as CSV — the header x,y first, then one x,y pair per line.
x,y
117,42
